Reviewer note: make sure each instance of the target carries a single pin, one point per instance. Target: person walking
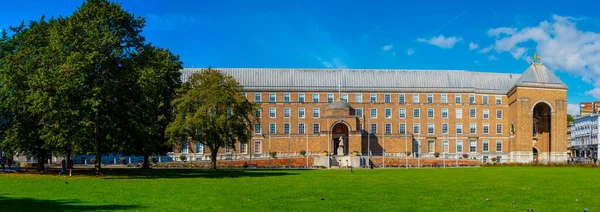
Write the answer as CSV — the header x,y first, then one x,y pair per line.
x,y
10,161
3,162
63,167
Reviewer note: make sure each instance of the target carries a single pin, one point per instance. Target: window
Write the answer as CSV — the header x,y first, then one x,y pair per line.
x,y
498,128
486,128
459,113
486,146
444,128
286,97
473,128
445,146
358,98
243,148
184,146
485,158
300,128
457,98
374,113
360,127
301,113
471,98
402,128
387,98
345,97
498,100
430,146
329,97
416,128
430,113
416,113
388,113
459,146
445,113
472,113
199,147
257,128
430,128
402,113
272,97
359,112
429,98
272,128
228,149
316,112
486,114
473,147
257,147
257,97
401,98
245,95
373,98
498,145
498,159
272,112
301,97
286,112
286,128
373,128
498,114
415,98
484,100
458,128
444,98
388,128
316,128
258,112
315,97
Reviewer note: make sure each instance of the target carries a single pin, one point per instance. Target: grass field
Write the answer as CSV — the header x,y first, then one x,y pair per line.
x,y
543,189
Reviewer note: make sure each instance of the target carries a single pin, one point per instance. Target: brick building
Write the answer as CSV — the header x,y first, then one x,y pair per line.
x,y
512,117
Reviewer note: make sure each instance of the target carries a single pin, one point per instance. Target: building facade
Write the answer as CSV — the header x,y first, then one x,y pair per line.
x,y
416,113
584,136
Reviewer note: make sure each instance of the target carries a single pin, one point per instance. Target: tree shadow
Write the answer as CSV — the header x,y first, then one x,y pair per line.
x,y
113,174
30,204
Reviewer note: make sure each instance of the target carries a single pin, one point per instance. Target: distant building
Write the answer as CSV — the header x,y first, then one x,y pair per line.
x,y
584,136
588,108
510,117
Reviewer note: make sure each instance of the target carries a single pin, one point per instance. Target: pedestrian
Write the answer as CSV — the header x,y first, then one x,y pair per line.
x,y
347,164
245,165
339,164
371,164
10,161
2,162
63,167
70,166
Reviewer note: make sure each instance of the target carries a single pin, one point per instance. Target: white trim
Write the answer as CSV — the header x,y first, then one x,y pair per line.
x,y
544,101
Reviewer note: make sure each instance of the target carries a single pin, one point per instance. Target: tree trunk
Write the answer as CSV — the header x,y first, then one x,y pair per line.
x,y
68,158
213,159
40,165
98,163
146,162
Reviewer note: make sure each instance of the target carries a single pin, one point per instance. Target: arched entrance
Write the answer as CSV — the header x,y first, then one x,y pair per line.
x,y
340,131
535,154
542,133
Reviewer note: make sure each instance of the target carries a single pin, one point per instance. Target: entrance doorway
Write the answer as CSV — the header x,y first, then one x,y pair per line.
x,y
340,131
535,154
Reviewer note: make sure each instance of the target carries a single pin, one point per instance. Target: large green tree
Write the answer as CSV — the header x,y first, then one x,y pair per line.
x,y
211,109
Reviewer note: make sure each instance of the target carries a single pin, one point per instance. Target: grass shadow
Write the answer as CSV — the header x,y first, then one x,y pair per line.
x,y
30,204
111,174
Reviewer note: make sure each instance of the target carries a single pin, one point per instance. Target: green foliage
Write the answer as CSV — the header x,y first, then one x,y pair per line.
x,y
303,152
273,154
211,109
437,154
182,157
570,118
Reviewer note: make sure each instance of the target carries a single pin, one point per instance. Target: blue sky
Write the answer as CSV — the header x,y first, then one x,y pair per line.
x,y
498,36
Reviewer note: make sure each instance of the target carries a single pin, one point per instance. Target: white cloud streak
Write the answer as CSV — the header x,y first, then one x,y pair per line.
x,y
473,46
441,41
387,47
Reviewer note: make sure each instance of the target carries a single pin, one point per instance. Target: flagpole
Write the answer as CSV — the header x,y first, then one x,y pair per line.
x,y
383,149
328,147
405,146
456,141
306,146
419,149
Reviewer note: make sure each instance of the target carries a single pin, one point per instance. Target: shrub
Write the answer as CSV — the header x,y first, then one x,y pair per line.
x,y
466,156
407,153
493,160
182,157
303,152
122,160
437,154
153,160
273,154
130,165
93,160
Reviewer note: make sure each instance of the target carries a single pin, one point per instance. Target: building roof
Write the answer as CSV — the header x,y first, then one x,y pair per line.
x,y
537,75
338,104
298,79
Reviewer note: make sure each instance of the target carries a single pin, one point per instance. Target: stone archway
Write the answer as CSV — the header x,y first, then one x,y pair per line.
x,y
340,130
542,131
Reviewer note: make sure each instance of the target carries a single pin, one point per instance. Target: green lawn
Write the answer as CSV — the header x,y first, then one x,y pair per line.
x,y
543,189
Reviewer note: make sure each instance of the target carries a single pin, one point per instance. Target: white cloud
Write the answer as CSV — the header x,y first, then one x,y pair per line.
x,y
387,47
410,52
502,30
573,109
473,46
560,45
441,41
492,58
334,63
486,50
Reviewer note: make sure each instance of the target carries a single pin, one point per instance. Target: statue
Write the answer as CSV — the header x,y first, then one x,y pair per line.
x,y
340,149
341,144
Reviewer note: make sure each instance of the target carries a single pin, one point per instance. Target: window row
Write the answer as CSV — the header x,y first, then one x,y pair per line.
x,y
416,128
387,98
485,146
430,113
301,128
